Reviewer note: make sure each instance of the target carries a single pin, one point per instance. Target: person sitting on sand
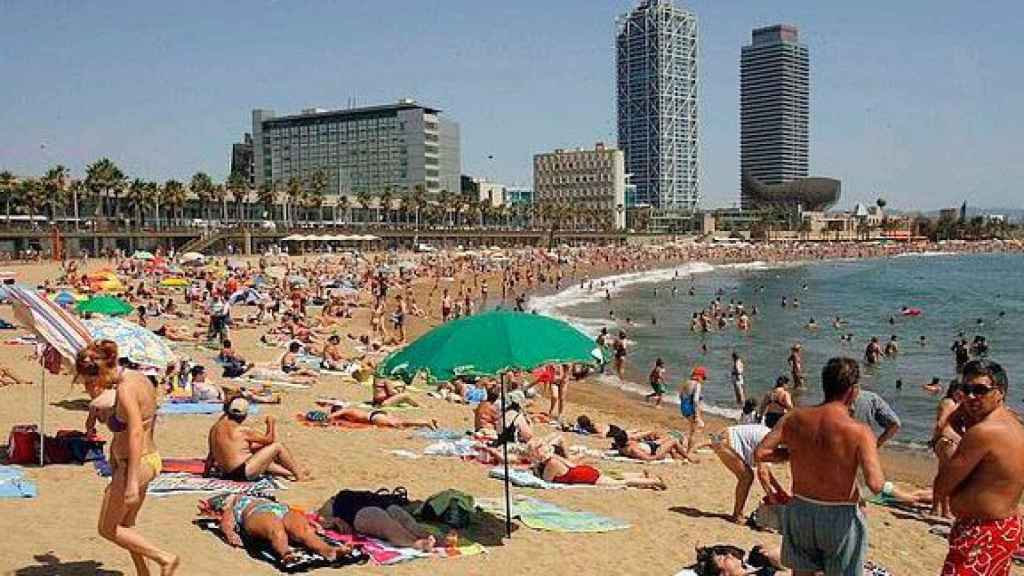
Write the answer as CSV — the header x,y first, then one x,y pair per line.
x,y
648,448
377,418
385,395
290,363
243,454
272,522
378,515
333,359
549,462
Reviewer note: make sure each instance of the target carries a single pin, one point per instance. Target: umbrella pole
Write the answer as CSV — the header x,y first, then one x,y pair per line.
x,y
42,419
504,454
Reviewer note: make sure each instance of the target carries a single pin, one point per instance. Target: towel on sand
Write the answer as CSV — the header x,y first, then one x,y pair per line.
x,y
440,434
541,515
461,448
183,483
527,479
385,553
13,484
176,408
302,560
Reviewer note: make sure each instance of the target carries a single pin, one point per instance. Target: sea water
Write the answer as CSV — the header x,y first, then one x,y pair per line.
x,y
974,294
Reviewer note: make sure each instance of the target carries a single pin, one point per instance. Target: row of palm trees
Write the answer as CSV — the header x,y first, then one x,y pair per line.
x,y
106,196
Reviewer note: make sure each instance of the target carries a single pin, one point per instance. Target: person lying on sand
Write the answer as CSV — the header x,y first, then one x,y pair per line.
x,y
725,560
549,462
272,522
650,447
243,454
377,418
290,363
378,515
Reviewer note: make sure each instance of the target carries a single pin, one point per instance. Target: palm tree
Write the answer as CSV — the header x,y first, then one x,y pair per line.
x,y
152,198
363,198
103,178
137,196
267,196
318,183
419,201
219,194
202,186
55,185
294,194
7,186
385,200
174,196
238,189
345,204
29,194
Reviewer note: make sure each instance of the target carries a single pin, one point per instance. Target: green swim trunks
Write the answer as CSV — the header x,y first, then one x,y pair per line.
x,y
824,536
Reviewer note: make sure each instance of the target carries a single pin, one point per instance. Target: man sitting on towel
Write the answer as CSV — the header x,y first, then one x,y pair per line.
x,y
242,453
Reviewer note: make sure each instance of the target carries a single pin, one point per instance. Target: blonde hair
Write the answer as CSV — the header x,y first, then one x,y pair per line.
x,y
98,361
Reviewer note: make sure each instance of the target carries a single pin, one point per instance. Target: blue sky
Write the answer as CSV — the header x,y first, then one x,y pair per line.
x,y
918,101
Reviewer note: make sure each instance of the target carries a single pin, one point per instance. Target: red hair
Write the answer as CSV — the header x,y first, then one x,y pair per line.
x,y
98,360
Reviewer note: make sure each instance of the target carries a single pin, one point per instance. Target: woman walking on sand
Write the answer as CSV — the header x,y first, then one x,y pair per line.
x,y
130,413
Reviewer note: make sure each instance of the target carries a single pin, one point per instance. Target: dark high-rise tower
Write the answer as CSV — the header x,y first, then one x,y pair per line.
x,y
774,105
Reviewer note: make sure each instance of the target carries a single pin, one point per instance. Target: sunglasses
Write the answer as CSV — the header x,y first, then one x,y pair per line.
x,y
977,390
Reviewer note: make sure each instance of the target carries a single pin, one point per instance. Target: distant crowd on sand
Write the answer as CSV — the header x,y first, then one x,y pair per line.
x,y
321,308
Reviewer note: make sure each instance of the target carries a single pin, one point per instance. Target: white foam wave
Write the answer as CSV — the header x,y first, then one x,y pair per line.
x,y
673,399
926,253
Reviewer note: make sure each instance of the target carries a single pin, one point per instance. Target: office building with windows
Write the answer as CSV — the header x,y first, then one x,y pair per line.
x,y
242,160
582,185
657,101
401,147
774,110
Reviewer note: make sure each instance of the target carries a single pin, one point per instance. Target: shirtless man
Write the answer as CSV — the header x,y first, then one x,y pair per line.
x,y
823,528
984,477
243,453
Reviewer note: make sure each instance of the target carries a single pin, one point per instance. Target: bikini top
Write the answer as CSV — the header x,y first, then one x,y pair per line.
x,y
115,424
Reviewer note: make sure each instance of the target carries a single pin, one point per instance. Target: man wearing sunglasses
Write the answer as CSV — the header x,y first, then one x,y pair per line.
x,y
984,477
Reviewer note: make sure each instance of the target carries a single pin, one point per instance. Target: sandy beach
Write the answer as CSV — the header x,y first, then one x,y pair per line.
x,y
55,533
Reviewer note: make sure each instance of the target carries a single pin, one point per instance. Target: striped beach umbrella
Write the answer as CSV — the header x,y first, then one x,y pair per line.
x,y
53,325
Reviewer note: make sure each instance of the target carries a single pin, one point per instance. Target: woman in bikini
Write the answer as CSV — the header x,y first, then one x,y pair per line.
x,y
777,402
550,464
133,455
272,522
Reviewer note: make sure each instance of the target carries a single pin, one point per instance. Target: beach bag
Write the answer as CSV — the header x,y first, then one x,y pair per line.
x,y
451,507
23,444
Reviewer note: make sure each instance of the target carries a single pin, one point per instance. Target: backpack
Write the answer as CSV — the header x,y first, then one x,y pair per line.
x,y
451,507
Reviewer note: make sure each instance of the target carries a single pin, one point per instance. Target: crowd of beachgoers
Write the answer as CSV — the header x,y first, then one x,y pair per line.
x,y
331,317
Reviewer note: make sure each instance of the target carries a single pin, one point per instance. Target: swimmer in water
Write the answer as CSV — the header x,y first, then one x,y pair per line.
x,y
923,340
837,322
934,387
811,324
796,302
785,302
899,384
654,320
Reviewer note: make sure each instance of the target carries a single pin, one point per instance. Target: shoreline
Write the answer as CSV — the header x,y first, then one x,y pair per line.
x,y
903,461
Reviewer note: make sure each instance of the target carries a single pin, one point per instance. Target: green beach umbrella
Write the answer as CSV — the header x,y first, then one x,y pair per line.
x,y
492,344
107,305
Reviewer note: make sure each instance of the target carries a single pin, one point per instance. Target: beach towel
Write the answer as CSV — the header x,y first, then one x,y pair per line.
x,y
14,485
275,384
195,466
384,553
302,560
197,408
184,483
540,515
461,448
526,479
441,434
103,467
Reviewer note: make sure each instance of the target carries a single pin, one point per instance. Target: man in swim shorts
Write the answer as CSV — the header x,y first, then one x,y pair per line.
x,y
984,478
242,453
823,527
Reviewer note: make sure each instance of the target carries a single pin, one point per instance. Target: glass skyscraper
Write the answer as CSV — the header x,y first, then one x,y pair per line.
x,y
657,97
774,96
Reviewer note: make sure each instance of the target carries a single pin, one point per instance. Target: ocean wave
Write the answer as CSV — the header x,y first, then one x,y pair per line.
x,y
927,253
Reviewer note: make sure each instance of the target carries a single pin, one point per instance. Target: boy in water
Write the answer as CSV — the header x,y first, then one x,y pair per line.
x,y
657,379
